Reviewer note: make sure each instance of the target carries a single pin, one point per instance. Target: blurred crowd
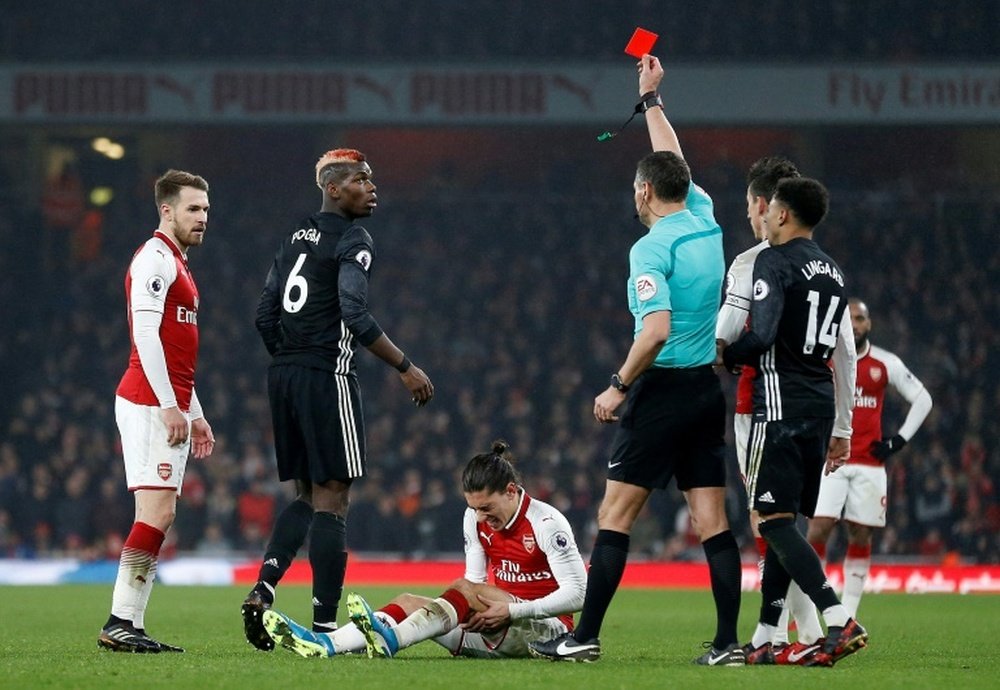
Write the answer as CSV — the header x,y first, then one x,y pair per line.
x,y
844,30
513,301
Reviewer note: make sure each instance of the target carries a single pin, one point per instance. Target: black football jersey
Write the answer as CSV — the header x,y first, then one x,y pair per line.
x,y
798,301
315,300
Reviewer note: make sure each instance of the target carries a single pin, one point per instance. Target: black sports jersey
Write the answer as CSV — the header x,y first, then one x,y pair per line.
x,y
315,300
798,302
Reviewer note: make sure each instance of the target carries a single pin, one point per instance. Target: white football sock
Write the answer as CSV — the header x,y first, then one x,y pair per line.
x,y
139,621
804,612
436,618
762,635
781,632
836,615
133,575
855,577
349,639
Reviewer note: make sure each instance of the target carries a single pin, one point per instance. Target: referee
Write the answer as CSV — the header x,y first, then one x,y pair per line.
x,y
673,420
313,309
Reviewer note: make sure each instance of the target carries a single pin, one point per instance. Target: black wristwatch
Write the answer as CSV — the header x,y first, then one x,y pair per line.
x,y
618,384
648,100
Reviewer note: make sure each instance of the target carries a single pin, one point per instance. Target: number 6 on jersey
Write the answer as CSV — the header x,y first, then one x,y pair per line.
x,y
296,280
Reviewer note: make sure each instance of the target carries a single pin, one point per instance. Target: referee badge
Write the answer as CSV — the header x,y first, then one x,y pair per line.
x,y
645,287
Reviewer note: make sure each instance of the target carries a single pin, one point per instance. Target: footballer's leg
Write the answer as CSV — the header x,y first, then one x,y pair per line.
x,y
285,632
289,533
380,638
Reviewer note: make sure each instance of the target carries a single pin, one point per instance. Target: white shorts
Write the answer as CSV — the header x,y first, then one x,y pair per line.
x,y
512,643
150,462
741,434
855,492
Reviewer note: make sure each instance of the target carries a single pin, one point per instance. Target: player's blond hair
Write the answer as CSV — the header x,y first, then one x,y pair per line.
x,y
329,161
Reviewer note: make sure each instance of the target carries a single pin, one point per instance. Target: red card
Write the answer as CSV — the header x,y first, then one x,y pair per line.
x,y
642,42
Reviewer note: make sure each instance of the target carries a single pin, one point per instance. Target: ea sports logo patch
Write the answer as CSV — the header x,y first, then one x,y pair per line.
x,y
165,470
645,287
156,286
528,540
760,289
364,257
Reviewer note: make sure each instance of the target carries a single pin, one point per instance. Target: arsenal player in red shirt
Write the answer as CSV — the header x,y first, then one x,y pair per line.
x,y
157,410
857,493
524,578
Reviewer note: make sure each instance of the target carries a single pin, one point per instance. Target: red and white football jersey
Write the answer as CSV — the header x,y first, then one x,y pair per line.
x,y
735,314
534,557
158,280
877,369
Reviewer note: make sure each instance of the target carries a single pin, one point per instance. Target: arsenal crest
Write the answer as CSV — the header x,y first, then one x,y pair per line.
x,y
529,542
165,470
876,373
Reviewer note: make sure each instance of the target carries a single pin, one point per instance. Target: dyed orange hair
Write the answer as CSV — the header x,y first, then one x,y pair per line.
x,y
337,156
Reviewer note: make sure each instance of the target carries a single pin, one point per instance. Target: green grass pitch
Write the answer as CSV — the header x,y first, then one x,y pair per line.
x,y
48,640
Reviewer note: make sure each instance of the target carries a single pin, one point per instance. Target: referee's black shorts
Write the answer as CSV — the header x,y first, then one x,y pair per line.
x,y
785,461
319,426
673,424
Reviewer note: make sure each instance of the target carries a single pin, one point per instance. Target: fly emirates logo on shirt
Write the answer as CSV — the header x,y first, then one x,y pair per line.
x,y
185,315
869,402
510,571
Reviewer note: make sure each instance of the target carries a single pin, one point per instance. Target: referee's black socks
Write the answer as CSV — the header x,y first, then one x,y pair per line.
x,y
607,563
726,572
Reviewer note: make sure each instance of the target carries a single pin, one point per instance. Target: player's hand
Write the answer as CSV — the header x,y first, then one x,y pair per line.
x,y
606,403
202,438
720,345
419,385
887,447
494,618
650,73
177,426
837,455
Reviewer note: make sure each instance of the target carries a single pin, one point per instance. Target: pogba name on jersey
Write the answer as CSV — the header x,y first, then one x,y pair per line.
x,y
308,234
816,267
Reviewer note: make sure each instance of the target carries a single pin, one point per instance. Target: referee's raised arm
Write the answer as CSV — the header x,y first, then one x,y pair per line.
x,y
661,133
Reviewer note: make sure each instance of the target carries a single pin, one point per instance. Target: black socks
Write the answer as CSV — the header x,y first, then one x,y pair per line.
x,y
726,572
800,562
287,536
328,558
607,563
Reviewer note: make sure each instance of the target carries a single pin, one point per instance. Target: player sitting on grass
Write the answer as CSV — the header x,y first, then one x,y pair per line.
x,y
527,545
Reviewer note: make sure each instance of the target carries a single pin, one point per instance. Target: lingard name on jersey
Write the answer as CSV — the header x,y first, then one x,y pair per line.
x,y
816,268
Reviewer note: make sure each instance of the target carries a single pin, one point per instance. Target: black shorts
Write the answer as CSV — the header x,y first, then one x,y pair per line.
x,y
785,461
673,424
319,426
